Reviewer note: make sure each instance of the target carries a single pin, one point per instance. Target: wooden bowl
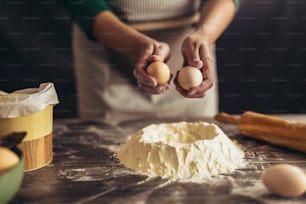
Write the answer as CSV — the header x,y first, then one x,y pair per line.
x,y
37,145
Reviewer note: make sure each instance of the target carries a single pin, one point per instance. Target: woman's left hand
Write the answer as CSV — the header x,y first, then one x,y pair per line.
x,y
197,54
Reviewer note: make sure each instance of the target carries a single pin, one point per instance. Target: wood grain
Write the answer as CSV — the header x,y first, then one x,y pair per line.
x,y
37,145
36,124
37,153
85,170
275,130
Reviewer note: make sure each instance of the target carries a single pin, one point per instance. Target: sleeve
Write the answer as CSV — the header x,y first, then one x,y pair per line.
x,y
238,3
83,12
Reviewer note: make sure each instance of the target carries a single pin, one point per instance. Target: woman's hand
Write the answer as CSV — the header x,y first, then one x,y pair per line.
x,y
215,16
139,48
197,54
149,52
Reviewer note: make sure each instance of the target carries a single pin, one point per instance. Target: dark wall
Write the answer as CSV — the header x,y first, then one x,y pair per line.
x,y
35,47
261,57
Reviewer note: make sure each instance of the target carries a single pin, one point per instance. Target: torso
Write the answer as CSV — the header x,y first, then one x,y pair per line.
x,y
153,10
105,90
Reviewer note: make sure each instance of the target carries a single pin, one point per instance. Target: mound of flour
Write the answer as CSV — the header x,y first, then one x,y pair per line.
x,y
181,151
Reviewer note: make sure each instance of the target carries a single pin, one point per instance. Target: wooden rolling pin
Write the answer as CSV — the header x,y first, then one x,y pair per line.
x,y
271,129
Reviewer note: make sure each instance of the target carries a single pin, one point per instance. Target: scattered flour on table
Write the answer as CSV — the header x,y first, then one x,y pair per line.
x,y
182,151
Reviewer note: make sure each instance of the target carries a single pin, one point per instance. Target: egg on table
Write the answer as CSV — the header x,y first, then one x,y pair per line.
x,y
8,159
160,71
284,180
189,77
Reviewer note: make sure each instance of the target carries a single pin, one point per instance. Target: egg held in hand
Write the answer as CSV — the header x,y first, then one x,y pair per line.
x,y
8,159
189,77
160,71
285,180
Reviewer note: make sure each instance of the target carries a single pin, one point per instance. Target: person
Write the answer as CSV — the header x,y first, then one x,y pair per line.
x,y
114,41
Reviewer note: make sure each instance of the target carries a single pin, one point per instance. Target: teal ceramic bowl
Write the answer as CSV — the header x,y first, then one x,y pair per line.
x,y
11,180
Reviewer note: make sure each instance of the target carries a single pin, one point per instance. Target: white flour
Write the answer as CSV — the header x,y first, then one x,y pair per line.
x,y
183,151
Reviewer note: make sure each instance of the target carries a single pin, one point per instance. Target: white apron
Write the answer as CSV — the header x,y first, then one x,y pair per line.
x,y
105,92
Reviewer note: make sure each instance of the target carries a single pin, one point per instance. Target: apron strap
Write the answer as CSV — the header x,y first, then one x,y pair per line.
x,y
166,24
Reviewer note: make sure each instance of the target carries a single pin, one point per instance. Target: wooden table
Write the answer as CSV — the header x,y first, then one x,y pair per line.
x,y
84,170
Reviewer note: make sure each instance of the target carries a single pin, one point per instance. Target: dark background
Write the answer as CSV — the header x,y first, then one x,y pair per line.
x,y
35,47
261,56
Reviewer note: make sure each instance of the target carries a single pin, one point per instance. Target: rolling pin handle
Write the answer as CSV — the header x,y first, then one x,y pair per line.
x,y
227,118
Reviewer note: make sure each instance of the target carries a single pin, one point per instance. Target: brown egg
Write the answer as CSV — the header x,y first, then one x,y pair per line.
x,y
160,71
8,159
285,180
189,77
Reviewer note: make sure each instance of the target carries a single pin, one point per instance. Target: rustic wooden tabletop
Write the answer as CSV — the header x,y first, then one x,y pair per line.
x,y
84,170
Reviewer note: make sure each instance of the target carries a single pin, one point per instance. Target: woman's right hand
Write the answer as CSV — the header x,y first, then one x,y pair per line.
x,y
149,52
139,48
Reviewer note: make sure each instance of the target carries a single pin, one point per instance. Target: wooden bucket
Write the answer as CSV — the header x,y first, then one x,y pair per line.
x,y
37,145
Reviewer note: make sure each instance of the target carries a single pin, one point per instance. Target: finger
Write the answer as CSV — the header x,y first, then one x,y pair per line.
x,y
206,85
191,93
155,58
197,63
207,70
162,50
182,91
139,71
206,58
195,94
201,89
191,54
208,81
153,89
143,77
188,94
